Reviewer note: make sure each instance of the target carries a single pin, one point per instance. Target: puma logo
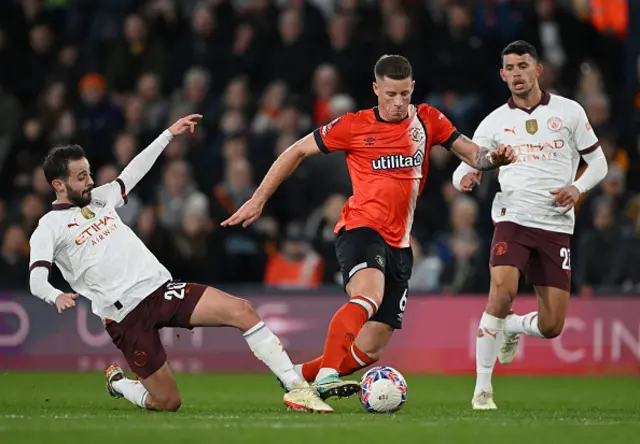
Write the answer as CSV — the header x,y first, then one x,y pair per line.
x,y
482,331
75,224
493,335
512,130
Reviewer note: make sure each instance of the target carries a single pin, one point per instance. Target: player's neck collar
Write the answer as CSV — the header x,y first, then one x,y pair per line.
x,y
546,97
379,118
58,206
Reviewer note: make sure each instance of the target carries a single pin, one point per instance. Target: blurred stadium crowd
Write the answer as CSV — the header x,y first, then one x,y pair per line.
x,y
112,74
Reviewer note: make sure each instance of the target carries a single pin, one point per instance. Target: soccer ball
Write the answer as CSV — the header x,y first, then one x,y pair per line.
x,y
384,390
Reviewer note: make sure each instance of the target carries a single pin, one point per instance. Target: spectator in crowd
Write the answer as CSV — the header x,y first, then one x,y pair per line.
x,y
602,248
14,258
320,231
466,272
296,265
425,275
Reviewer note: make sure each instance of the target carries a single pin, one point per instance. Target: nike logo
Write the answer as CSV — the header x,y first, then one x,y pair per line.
x,y
512,130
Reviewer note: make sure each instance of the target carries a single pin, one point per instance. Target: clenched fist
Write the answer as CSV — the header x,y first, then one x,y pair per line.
x,y
66,301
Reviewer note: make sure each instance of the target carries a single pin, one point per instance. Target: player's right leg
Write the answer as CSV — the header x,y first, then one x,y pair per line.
x,y
508,258
549,272
216,309
156,392
139,341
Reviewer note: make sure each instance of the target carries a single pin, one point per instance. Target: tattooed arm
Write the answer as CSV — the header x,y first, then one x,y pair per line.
x,y
480,157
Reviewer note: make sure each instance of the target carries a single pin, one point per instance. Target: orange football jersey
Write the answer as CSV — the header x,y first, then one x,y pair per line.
x,y
388,163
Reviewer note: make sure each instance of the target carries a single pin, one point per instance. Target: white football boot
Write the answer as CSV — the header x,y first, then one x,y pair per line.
x,y
112,374
484,400
304,398
509,346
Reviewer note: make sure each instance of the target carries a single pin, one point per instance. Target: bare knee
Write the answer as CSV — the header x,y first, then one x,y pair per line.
x,y
168,404
504,287
368,283
550,329
373,339
244,316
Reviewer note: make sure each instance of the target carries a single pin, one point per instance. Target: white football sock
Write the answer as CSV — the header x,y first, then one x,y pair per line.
x,y
324,372
132,390
267,347
527,324
487,349
298,369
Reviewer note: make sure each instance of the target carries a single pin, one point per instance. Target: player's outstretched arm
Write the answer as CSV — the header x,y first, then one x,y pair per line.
x,y
42,246
465,177
284,165
142,163
482,158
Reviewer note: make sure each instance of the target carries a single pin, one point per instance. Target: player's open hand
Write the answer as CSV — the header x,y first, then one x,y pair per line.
x,y
566,197
247,214
470,180
504,155
186,123
66,301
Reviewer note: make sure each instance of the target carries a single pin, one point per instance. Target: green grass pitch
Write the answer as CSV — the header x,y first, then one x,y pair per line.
x,y
67,408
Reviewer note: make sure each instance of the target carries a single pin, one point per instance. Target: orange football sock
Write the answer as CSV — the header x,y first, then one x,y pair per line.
x,y
310,369
344,328
354,361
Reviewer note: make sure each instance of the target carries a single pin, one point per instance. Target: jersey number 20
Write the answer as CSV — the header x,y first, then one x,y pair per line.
x,y
175,290
565,254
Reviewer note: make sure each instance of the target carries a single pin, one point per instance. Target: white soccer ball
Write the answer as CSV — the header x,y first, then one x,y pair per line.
x,y
384,390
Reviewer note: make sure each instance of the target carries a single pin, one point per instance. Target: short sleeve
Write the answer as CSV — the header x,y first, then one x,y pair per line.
x,y
112,193
443,131
335,135
484,134
584,137
42,247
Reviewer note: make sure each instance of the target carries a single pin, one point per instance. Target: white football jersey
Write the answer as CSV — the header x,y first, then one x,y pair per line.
x,y
99,256
549,140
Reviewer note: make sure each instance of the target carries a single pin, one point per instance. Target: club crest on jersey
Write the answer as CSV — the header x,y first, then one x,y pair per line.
x,y
532,126
87,213
396,161
554,123
416,134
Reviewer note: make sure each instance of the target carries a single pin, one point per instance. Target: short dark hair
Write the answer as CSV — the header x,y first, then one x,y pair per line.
x,y
520,47
56,164
394,67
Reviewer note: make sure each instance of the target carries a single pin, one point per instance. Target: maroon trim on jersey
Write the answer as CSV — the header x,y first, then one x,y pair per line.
x,y
546,98
380,119
61,206
36,264
590,149
318,138
123,190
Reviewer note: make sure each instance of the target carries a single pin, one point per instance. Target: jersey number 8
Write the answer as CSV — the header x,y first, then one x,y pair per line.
x,y
175,290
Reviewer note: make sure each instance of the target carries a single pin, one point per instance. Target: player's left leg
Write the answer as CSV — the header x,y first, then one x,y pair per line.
x,y
550,273
371,342
216,308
